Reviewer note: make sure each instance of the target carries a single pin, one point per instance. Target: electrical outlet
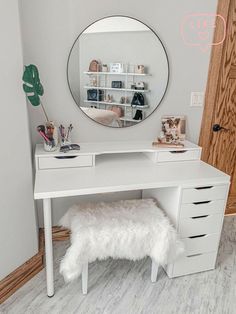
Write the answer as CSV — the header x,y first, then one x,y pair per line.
x,y
197,99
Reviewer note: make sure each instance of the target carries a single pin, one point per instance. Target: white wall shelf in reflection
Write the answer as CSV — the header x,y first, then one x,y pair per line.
x,y
130,120
118,89
115,104
117,73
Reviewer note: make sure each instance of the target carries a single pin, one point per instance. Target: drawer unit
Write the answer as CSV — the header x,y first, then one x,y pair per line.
x,y
193,264
204,193
178,155
202,208
53,162
199,225
201,244
193,226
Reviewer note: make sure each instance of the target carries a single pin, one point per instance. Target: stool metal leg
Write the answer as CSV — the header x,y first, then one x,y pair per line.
x,y
154,271
85,278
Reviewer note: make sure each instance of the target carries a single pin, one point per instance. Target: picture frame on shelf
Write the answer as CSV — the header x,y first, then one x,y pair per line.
x,y
116,84
173,129
116,67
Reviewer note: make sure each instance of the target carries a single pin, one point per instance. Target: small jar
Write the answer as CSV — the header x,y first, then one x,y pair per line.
x,y
51,133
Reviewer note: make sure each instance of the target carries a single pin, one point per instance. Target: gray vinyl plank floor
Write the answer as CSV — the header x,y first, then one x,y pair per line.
x,y
124,287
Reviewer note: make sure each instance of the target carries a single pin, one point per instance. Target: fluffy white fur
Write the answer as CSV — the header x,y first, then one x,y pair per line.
x,y
130,229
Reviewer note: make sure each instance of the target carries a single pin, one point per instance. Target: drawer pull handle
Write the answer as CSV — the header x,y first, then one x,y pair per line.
x,y
65,157
194,255
197,217
199,203
198,236
204,187
178,151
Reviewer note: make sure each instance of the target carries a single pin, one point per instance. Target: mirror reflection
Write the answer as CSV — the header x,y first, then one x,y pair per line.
x,y
118,71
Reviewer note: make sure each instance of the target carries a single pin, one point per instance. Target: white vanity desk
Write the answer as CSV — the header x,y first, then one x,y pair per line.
x,y
191,192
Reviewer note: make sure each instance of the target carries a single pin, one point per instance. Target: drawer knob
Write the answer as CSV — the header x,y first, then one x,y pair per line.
x,y
198,236
204,187
198,217
194,255
178,151
199,203
65,157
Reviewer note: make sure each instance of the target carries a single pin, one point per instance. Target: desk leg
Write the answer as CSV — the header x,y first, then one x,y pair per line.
x,y
47,213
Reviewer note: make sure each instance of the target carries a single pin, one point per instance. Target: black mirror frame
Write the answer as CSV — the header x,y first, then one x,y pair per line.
x,y
167,59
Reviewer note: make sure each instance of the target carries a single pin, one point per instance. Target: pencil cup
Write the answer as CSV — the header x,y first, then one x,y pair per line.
x,y
51,137
65,134
66,141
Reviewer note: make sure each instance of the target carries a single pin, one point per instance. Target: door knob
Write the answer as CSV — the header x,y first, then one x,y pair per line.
x,y
217,128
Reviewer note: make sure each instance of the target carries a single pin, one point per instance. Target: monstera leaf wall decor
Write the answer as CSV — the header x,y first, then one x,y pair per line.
x,y
33,87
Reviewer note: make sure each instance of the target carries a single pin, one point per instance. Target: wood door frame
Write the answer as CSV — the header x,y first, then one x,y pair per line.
x,y
214,75
212,82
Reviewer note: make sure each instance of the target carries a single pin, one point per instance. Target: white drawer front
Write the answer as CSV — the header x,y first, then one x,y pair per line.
x,y
68,162
193,264
200,225
202,208
201,244
178,155
204,193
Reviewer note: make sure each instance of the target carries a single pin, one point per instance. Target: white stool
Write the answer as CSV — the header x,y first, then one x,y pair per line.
x,y
130,229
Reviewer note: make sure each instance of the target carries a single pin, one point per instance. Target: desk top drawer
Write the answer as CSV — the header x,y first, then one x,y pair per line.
x,y
203,243
65,162
204,193
178,155
202,208
200,225
194,264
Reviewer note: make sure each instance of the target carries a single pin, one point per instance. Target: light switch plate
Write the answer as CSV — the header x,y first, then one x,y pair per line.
x,y
197,99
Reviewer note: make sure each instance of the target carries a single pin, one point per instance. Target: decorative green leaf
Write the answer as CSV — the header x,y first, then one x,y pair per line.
x,y
27,89
32,85
35,100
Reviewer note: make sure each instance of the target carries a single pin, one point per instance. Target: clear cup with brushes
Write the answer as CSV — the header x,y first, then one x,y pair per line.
x,y
65,134
50,135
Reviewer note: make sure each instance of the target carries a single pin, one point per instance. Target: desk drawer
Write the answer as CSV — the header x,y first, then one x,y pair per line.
x,y
204,193
193,264
200,225
202,208
68,162
178,155
201,244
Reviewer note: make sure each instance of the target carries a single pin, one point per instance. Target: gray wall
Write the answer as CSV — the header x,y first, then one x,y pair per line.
x,y
50,28
18,230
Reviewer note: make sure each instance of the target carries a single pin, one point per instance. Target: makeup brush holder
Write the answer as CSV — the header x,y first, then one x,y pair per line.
x,y
51,133
65,134
66,141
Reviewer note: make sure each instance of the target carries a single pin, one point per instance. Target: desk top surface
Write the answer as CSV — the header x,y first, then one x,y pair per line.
x,y
124,172
113,148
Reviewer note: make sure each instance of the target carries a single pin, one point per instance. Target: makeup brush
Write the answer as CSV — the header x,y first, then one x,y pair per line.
x,y
41,130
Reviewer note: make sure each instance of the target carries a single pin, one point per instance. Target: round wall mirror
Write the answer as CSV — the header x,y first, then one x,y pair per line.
x,y
118,71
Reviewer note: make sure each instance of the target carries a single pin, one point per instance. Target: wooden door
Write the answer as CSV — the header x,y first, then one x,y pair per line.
x,y
219,146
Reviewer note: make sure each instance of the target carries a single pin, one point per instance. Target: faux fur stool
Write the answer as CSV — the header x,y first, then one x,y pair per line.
x,y
131,229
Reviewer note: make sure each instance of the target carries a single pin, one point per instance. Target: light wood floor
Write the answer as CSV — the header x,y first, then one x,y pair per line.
x,y
124,287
